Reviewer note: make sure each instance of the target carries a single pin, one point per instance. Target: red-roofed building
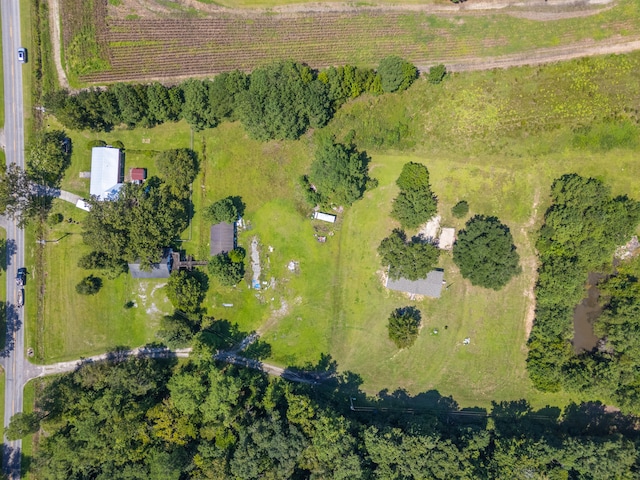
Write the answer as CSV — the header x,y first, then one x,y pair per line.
x,y
138,174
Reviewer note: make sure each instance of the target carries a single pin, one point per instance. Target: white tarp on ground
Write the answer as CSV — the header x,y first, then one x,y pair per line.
x,y
447,237
325,217
83,205
105,172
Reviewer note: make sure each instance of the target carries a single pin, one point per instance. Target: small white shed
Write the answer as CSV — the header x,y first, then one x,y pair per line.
x,y
325,217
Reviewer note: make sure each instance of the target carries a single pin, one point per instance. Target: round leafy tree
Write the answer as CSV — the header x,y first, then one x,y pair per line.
x,y
228,268
460,209
178,168
396,73
339,172
186,291
223,210
485,253
412,260
89,285
415,204
403,326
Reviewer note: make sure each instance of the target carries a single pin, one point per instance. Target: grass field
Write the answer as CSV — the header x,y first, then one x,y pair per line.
x,y
169,45
27,442
496,139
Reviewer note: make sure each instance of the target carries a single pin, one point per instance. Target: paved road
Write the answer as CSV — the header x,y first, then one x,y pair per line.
x,y
13,359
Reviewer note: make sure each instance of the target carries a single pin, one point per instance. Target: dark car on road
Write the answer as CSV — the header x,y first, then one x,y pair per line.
x,y
22,55
21,278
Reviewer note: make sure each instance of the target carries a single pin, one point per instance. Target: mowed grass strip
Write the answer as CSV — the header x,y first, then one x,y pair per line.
x,y
146,48
75,325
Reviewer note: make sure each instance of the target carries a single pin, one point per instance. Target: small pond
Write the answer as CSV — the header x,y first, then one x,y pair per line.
x,y
585,315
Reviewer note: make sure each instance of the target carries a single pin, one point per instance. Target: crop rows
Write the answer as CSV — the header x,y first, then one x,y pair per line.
x,y
139,49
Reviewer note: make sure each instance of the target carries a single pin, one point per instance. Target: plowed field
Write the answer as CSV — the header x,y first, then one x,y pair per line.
x,y
163,48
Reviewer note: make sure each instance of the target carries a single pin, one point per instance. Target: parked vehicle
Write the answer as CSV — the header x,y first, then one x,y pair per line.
x,y
21,297
22,55
21,278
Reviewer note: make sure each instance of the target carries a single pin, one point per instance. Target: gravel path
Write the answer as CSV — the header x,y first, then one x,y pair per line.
x,y
54,21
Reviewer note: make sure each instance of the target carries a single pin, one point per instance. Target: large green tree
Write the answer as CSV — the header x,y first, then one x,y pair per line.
x,y
178,168
412,260
48,156
396,73
186,291
283,100
403,326
223,210
485,253
416,203
228,268
339,173
138,224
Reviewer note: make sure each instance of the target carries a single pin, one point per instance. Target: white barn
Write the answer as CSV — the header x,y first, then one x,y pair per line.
x,y
106,172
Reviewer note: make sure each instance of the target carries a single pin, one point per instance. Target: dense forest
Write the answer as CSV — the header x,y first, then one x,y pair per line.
x,y
279,101
582,229
138,418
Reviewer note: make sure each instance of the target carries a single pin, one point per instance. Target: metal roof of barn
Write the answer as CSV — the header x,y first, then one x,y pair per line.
x,y
431,286
106,174
222,238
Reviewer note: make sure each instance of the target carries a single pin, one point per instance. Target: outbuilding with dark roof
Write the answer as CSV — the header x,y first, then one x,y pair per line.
x,y
222,238
431,286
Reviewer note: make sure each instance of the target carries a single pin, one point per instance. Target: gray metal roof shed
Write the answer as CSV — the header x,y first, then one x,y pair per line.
x,y
222,239
158,270
431,286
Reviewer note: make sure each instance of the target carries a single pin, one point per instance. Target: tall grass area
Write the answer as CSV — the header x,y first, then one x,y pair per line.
x,y
495,139
81,49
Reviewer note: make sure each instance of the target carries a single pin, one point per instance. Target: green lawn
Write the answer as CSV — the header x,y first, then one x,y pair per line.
x,y
496,139
75,325
29,400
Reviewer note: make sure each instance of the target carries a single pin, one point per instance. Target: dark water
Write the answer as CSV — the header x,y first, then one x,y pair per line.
x,y
584,316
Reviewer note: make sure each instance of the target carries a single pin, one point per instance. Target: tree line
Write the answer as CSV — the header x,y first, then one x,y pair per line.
x,y
138,418
582,228
25,194
279,101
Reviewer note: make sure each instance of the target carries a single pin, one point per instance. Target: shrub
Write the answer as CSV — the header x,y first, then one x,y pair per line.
x,y
436,74
118,144
89,285
460,209
396,74
403,326
54,219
